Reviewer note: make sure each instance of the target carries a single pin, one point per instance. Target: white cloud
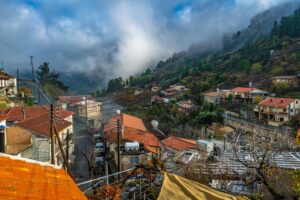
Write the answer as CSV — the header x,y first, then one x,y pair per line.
x,y
116,37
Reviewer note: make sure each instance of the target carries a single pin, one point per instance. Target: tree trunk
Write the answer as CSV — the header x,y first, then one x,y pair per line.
x,y
275,195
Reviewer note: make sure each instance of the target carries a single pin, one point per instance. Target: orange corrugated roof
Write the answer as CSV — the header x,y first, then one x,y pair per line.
x,y
178,143
18,113
25,179
243,89
277,102
41,124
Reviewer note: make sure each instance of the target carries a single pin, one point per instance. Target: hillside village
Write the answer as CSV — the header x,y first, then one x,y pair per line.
x,y
226,126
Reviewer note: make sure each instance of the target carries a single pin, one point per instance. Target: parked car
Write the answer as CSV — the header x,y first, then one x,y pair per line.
x,y
99,147
97,138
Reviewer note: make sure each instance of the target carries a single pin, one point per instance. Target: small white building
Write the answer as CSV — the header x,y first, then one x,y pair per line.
x,y
8,85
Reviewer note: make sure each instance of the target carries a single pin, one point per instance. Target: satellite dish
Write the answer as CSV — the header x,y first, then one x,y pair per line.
x,y
118,112
154,124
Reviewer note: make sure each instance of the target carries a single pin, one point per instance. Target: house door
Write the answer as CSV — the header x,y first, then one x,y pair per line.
x,y
2,142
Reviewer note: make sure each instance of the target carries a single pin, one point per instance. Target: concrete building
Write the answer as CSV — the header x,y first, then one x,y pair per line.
x,y
88,111
216,97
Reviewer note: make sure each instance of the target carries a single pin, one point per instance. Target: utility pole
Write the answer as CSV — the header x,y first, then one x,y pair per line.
x,y
32,69
18,80
86,110
52,133
66,163
39,92
119,131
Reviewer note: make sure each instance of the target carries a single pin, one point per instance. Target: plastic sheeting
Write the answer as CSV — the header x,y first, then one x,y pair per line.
x,y
177,188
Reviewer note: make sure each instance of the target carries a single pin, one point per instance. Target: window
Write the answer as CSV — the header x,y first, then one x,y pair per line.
x,y
134,160
292,110
296,102
281,119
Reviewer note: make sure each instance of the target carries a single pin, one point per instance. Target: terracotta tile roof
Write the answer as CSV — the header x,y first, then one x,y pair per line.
x,y
27,179
243,89
133,122
211,94
178,143
277,102
41,124
18,113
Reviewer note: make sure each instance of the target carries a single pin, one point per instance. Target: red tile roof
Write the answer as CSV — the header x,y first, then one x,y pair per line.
x,y
27,179
178,143
18,113
41,124
2,117
277,102
243,89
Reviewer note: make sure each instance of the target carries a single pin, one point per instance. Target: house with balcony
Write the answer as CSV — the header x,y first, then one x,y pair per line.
x,y
290,80
27,134
137,145
8,85
275,111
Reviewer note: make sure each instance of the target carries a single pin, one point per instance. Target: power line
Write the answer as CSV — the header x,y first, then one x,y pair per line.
x,y
103,177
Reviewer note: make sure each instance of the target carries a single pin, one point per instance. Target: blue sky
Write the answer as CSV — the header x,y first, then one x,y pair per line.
x,y
116,37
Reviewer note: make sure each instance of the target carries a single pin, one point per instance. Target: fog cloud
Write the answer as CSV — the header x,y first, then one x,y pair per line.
x,y
114,38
